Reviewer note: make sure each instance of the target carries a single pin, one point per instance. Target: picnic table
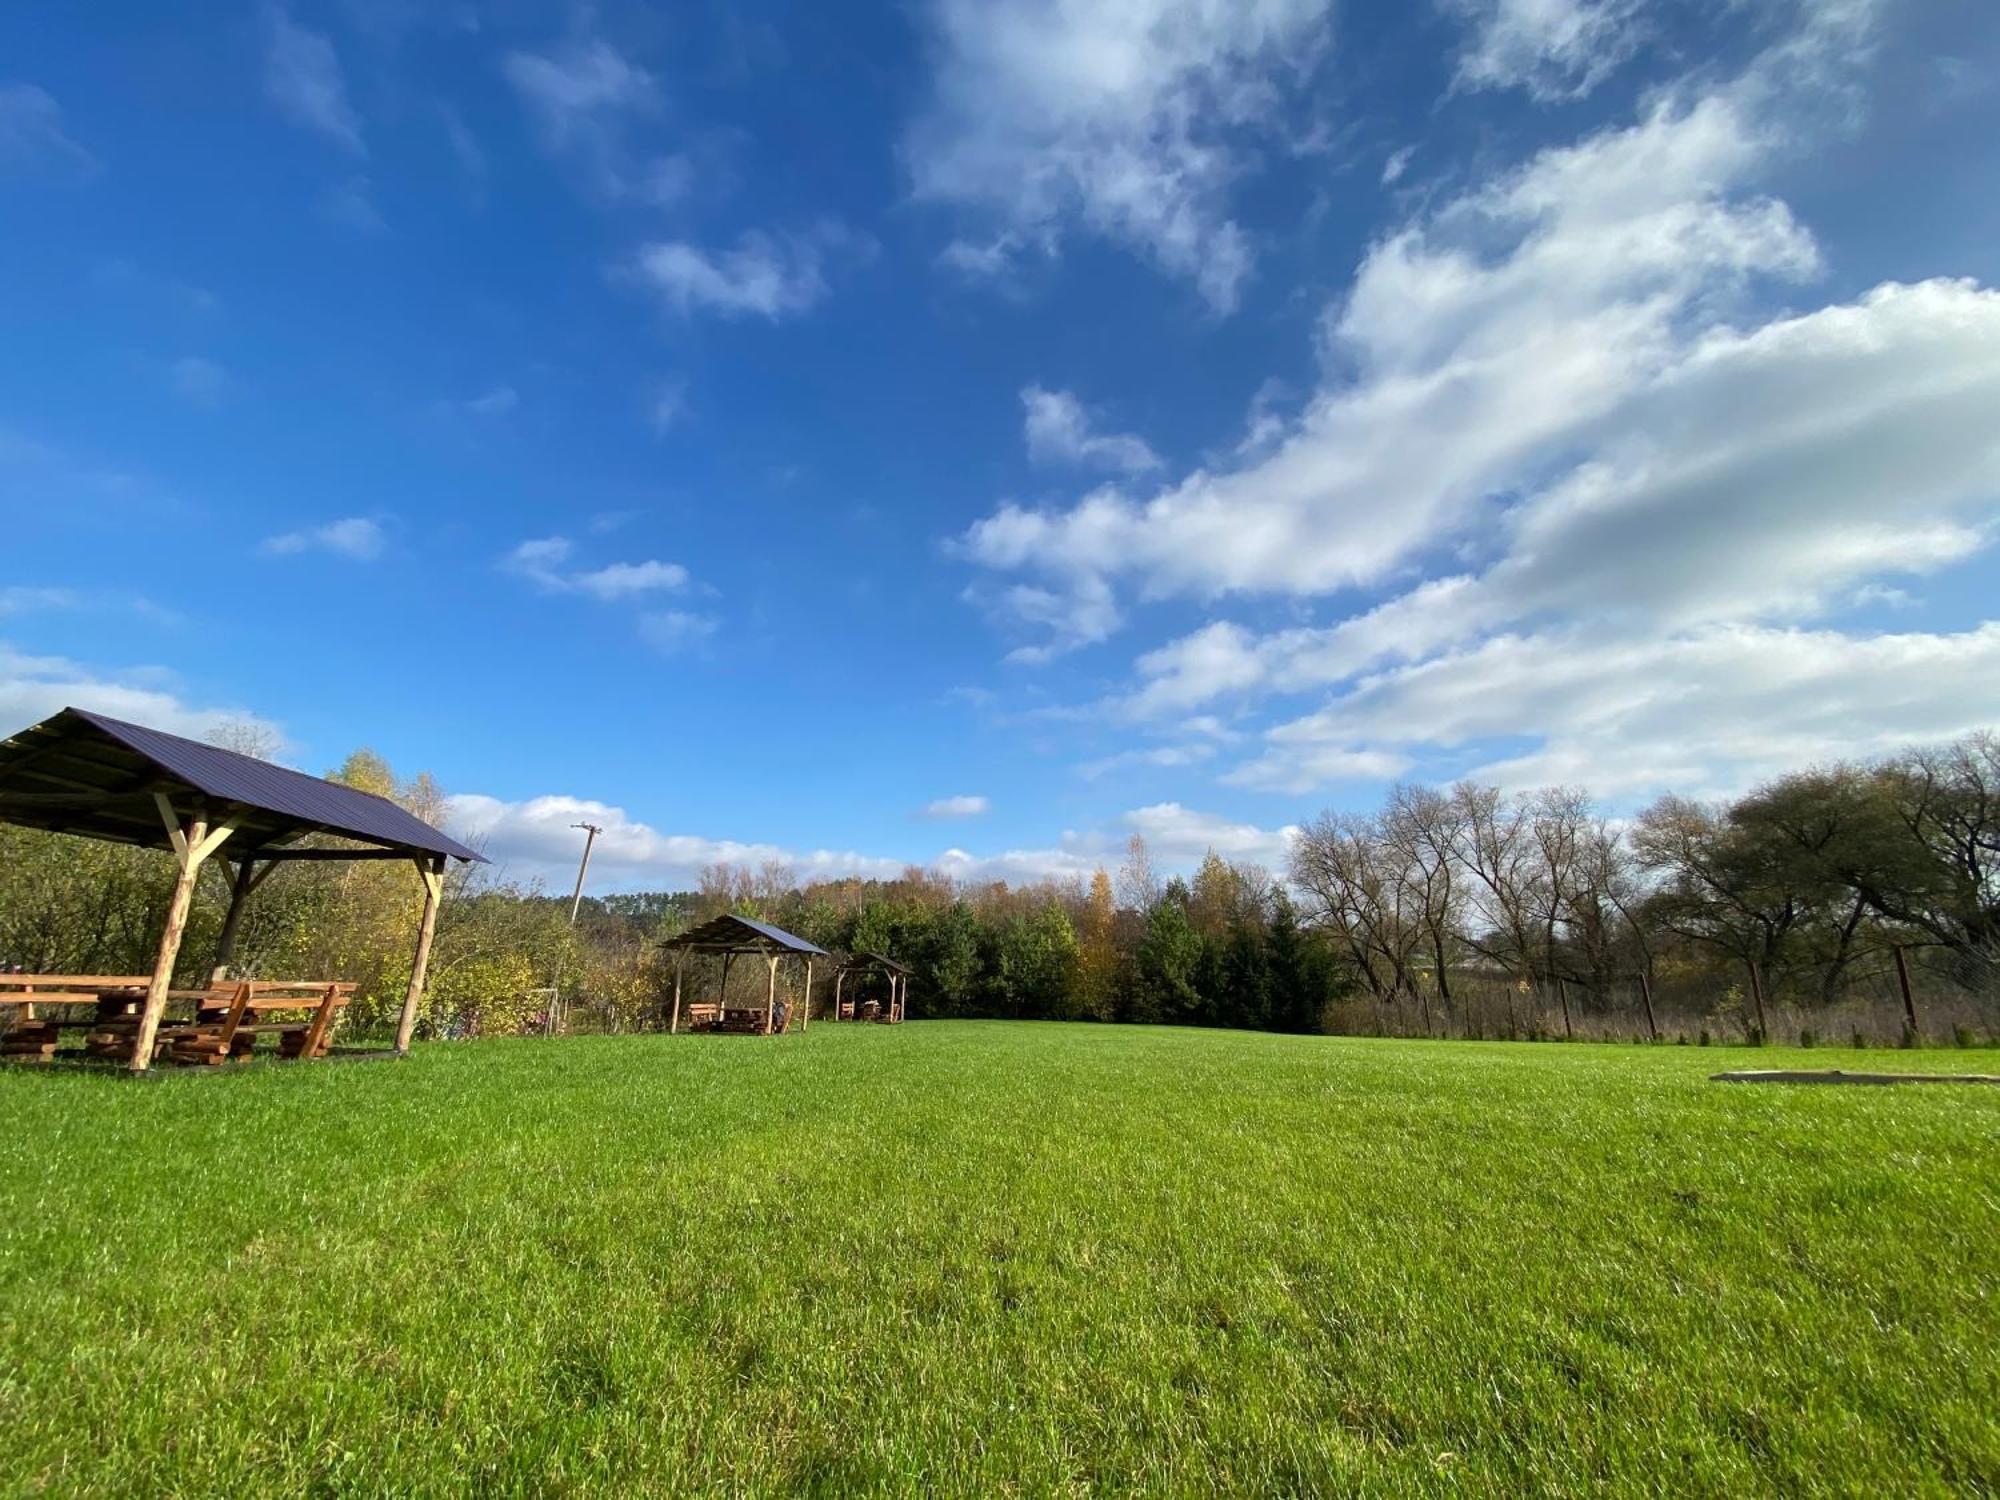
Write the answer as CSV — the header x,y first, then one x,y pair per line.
x,y
226,1018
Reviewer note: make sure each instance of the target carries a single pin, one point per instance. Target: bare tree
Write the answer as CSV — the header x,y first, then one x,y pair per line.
x,y
1138,885
1495,848
1345,865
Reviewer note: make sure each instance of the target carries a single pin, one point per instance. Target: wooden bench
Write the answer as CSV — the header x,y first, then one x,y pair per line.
x,y
228,1020
33,1038
701,1016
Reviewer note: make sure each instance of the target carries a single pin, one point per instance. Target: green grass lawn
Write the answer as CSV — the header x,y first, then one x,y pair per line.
x,y
965,1258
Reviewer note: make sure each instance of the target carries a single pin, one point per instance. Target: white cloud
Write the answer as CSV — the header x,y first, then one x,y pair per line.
x,y
1128,119
1169,757
32,133
22,599
199,382
34,687
1397,164
302,76
585,97
624,580
534,839
350,204
763,275
1076,612
1763,476
1602,498
670,631
957,807
666,405
1470,373
543,562
1177,838
1059,430
571,86
1178,835
497,402
1554,49
1707,711
355,537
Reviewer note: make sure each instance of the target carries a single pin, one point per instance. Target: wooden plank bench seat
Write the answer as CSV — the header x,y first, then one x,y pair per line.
x,y
32,1038
229,1019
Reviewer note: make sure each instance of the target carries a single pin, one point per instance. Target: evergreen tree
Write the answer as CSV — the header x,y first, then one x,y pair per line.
x,y
1169,959
1296,980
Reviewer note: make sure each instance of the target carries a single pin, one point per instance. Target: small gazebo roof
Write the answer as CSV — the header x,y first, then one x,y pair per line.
x,y
734,934
874,961
90,774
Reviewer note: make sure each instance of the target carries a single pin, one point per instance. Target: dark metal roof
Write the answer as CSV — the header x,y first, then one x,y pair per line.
x,y
734,934
86,773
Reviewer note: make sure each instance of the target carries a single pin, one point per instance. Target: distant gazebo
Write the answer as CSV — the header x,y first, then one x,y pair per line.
x,y
102,778
729,936
860,965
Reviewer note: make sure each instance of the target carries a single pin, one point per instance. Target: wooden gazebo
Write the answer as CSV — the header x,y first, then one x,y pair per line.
x,y
732,935
859,965
102,778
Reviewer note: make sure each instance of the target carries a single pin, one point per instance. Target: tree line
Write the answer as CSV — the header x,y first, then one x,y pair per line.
x,y
1458,910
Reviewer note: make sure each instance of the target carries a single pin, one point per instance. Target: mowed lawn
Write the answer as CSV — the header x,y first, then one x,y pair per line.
x,y
993,1259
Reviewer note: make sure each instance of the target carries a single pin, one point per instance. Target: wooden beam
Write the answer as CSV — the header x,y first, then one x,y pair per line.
x,y
838,977
806,1004
674,1026
322,1019
192,847
431,872
292,854
240,887
771,994
173,821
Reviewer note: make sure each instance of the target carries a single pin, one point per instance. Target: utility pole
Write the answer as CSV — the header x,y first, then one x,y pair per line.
x,y
591,831
554,1017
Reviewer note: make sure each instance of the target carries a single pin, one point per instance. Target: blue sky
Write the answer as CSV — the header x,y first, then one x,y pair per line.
x,y
970,433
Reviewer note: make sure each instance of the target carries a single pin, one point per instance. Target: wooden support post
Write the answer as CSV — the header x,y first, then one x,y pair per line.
x,y
771,993
806,1003
680,958
1757,996
191,847
430,870
322,1019
1909,1000
239,892
839,978
1646,994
